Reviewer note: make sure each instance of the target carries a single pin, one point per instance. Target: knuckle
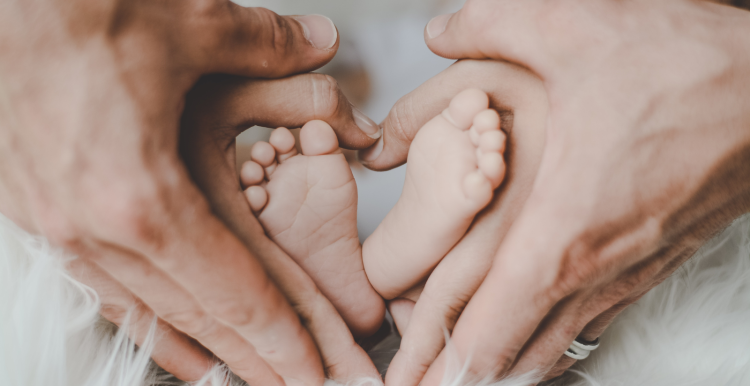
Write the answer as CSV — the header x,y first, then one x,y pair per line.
x,y
453,311
615,294
207,9
307,301
496,362
195,323
245,313
208,19
59,229
114,314
242,312
401,120
128,215
450,306
588,263
326,95
234,314
126,313
560,368
577,269
639,279
278,34
479,13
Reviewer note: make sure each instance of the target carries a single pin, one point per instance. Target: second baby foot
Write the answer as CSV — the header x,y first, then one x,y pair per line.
x,y
307,204
454,165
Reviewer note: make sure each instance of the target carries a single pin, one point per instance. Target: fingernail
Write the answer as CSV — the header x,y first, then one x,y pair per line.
x,y
373,152
367,125
319,31
437,25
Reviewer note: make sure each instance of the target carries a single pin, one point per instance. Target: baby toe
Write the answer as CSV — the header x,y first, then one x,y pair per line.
x,y
492,142
251,174
257,197
283,142
474,136
263,153
318,138
492,166
465,106
486,120
478,188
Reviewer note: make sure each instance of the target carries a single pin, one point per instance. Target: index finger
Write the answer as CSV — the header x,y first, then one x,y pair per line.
x,y
238,103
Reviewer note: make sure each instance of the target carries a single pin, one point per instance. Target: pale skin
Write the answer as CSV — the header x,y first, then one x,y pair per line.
x,y
102,216
522,101
91,98
221,103
307,202
644,157
455,163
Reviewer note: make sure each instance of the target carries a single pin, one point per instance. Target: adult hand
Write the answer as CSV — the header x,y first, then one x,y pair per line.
x,y
217,110
91,95
646,154
520,98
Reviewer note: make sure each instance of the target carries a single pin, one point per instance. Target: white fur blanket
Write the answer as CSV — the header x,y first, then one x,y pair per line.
x,y
694,329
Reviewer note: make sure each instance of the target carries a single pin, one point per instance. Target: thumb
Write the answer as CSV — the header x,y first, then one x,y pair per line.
x,y
507,85
257,42
488,30
413,110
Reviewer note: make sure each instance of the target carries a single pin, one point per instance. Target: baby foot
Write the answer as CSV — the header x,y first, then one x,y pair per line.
x,y
455,163
307,204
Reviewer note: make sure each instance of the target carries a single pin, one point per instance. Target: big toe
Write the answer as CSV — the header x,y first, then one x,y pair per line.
x,y
283,141
465,106
317,138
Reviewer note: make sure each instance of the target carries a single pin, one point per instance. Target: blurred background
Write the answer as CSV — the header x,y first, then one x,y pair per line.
x,y
382,57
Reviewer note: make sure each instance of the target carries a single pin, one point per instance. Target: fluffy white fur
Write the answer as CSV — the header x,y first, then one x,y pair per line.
x,y
694,329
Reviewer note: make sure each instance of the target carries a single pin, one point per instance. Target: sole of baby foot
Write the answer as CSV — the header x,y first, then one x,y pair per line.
x,y
307,204
454,165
